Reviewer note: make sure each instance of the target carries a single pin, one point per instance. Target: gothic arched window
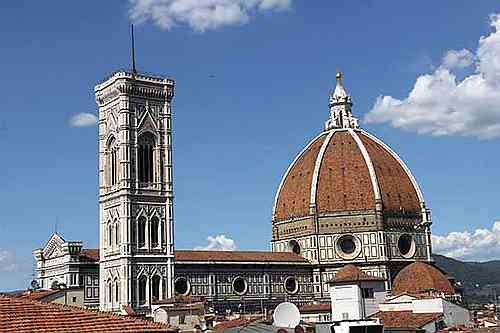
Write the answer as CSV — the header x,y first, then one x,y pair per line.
x,y
110,234
145,158
156,287
155,225
117,290
112,162
110,292
142,289
117,233
141,232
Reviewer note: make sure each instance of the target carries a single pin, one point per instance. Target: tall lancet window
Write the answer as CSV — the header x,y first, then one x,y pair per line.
x,y
142,289
110,234
155,225
112,162
145,158
156,280
141,232
117,233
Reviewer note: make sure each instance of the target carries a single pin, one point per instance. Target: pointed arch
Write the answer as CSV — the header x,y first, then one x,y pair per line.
x,y
142,284
112,161
110,234
155,231
141,231
117,290
109,294
155,287
117,233
145,157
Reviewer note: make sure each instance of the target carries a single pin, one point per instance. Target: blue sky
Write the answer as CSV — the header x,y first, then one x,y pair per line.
x,y
252,81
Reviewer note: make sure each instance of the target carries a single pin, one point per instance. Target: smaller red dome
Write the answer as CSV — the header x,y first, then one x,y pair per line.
x,y
351,273
419,278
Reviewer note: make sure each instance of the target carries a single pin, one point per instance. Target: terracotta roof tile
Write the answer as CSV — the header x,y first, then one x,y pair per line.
x,y
238,256
420,277
34,294
344,181
293,199
396,188
240,322
316,307
351,273
22,316
406,319
91,255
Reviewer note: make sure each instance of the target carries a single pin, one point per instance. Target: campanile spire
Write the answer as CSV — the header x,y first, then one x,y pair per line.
x,y
340,104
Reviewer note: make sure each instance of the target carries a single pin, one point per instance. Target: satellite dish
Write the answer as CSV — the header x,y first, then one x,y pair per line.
x,y
286,315
34,285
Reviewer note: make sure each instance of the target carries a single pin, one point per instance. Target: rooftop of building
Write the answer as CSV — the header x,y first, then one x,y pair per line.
x,y
91,255
351,273
137,75
18,314
406,319
421,278
315,307
36,295
238,256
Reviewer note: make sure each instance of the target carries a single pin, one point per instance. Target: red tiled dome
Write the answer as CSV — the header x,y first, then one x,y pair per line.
x,y
351,273
346,170
420,277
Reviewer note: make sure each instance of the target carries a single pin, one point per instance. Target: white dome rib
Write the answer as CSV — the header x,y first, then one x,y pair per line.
x,y
369,164
400,161
317,167
290,168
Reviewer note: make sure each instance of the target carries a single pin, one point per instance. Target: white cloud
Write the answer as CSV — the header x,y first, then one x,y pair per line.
x,y
201,15
482,244
83,120
458,59
7,261
440,104
218,243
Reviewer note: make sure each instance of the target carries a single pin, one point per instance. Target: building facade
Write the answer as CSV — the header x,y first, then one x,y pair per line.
x,y
135,190
243,281
62,264
347,198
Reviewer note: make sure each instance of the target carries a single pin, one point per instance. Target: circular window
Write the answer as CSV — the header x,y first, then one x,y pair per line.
x,y
348,247
406,245
240,286
347,244
295,247
291,285
182,286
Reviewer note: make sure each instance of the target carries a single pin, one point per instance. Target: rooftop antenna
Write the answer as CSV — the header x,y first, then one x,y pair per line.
x,y
133,49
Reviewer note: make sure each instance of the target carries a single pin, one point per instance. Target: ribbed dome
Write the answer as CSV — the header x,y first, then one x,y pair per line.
x,y
346,169
419,277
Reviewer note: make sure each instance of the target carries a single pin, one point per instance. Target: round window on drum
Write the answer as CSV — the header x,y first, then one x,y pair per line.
x,y
240,286
348,247
182,286
295,247
291,285
406,245
347,244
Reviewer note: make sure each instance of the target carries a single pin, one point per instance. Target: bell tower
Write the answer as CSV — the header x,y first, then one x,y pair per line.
x,y
135,190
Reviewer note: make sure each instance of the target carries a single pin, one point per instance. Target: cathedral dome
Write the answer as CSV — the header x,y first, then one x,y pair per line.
x,y
346,169
418,278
